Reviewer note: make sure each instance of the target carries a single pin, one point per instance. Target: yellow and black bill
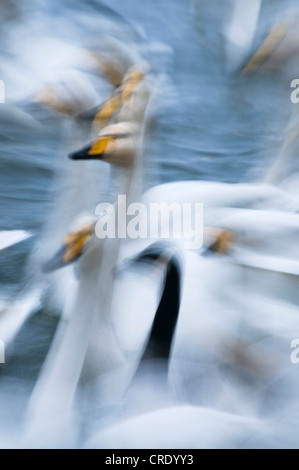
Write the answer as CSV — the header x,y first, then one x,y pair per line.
x,y
74,246
99,149
220,242
83,154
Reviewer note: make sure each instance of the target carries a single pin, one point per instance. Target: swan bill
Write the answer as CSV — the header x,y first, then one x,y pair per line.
x,y
100,148
82,154
74,245
101,115
115,145
219,241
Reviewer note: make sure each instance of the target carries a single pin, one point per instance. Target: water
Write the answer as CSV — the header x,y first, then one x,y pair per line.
x,y
208,122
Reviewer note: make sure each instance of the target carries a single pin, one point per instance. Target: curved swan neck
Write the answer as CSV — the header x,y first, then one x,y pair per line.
x,y
162,332
164,325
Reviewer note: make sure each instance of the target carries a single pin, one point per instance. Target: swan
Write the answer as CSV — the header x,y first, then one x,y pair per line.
x,y
96,279
70,94
93,288
180,427
194,427
126,103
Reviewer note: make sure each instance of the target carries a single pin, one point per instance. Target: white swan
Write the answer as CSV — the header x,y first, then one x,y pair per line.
x,y
71,94
180,427
95,288
127,103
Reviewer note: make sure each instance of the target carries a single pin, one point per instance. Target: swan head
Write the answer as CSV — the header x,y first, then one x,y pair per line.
x,y
74,246
119,102
116,144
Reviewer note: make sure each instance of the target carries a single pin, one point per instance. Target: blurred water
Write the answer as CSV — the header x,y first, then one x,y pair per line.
x,y
209,123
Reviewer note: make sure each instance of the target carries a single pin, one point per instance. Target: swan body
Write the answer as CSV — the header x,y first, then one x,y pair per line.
x,y
181,427
214,194
94,295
